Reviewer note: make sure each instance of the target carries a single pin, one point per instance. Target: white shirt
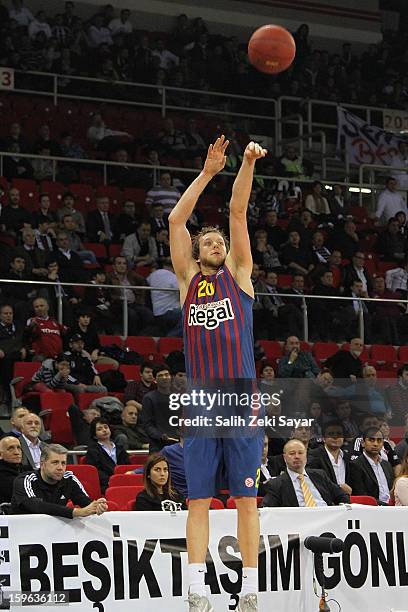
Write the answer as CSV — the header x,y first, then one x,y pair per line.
x,y
163,301
35,450
98,36
298,489
389,204
379,473
400,175
117,25
396,278
265,471
167,58
339,467
36,26
23,16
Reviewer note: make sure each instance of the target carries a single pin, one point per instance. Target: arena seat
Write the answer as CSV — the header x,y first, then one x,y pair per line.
x,y
138,458
130,372
323,350
123,495
272,348
103,367
89,477
122,469
83,194
365,355
85,399
28,192
141,344
384,355
54,189
123,480
97,248
26,370
114,250
167,345
232,505
106,340
366,500
403,354
58,421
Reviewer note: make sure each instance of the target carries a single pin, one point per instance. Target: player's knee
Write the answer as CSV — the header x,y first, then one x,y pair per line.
x,y
199,505
246,504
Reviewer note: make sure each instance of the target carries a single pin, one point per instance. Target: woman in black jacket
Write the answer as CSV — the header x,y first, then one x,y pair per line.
x,y
102,452
158,491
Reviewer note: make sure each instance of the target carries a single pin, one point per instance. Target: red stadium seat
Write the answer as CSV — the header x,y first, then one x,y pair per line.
x,y
366,500
130,372
107,340
141,344
403,354
324,350
58,421
384,266
55,190
122,495
138,458
26,370
97,248
123,480
284,280
83,194
167,345
113,193
85,399
103,367
28,192
89,477
122,469
272,348
384,354
115,250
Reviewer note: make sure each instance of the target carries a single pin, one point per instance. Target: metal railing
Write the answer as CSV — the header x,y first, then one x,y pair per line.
x,y
302,298
385,171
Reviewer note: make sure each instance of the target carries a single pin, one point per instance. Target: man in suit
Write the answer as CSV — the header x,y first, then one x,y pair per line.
x,y
370,475
100,222
265,475
297,487
69,262
31,444
356,271
10,466
330,457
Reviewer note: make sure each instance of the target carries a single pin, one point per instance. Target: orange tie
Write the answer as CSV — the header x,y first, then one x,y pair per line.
x,y
310,501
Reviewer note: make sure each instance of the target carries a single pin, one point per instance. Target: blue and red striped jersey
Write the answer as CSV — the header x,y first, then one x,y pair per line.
x,y
217,328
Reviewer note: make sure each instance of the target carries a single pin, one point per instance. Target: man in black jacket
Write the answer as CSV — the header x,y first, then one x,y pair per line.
x,y
370,475
48,490
10,466
347,364
11,346
297,487
330,457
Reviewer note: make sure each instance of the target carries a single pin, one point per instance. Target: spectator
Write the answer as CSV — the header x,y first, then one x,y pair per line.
x,y
194,141
122,24
397,395
328,317
44,213
59,31
263,253
98,34
163,246
391,244
81,366
44,333
320,253
16,137
167,59
140,248
352,311
397,278
11,347
53,292
367,394
74,241
345,239
158,220
346,366
265,471
97,302
128,433
20,13
13,217
294,166
69,148
402,446
370,475
35,257
368,420
49,489
39,24
44,141
297,288
400,489
30,442
136,390
158,492
166,304
164,193
16,167
81,423
67,208
16,419
390,201
124,175
316,202
343,412
296,257
331,458
102,137
296,363
386,315
400,162
339,206
276,236
69,262
155,415
356,271
56,374
10,466
45,236
140,316
126,222
298,487
281,316
18,294
103,453
100,222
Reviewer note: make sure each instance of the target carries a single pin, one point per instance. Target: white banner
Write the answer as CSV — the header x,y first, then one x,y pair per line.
x,y
364,143
131,562
395,120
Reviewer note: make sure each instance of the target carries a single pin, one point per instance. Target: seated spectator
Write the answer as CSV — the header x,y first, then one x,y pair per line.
x,y
100,222
298,487
396,279
98,33
369,420
81,423
82,367
164,193
43,332
103,138
346,366
15,136
397,396
42,168
44,141
74,241
128,433
294,166
16,419
320,253
386,315
10,466
136,390
155,415
16,167
263,253
30,442
400,489
390,201
121,24
296,363
49,489
140,248
13,216
158,220
96,302
330,458
34,256
166,304
345,239
39,24
329,319
18,294
343,412
69,148
276,236
296,257
122,176
167,61
44,236
304,226
280,317
126,222
44,214
67,208
103,453
194,141
55,374
163,246
140,316
352,312
53,292
69,262
357,271
339,206
316,202
12,347
158,492
266,377
391,244
370,475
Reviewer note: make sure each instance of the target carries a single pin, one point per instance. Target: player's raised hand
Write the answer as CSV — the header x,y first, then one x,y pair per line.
x,y
254,151
216,157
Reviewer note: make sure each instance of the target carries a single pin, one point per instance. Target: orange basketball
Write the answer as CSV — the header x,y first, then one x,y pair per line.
x,y
271,49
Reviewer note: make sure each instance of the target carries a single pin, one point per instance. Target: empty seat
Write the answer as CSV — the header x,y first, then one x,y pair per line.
x,y
107,340
130,372
366,500
324,350
54,189
122,480
272,348
167,345
141,344
122,495
85,399
58,421
383,353
138,458
97,248
26,370
89,477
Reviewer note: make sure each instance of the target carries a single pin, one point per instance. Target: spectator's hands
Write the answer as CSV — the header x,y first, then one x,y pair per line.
x,y
216,157
97,380
253,152
98,506
353,378
345,487
23,353
102,237
293,355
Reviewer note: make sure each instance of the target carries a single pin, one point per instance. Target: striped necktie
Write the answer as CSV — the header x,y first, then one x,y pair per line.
x,y
310,501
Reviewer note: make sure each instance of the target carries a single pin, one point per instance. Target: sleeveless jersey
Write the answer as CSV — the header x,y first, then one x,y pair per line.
x,y
217,328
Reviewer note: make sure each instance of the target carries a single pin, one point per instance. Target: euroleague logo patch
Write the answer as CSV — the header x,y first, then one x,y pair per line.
x,y
249,482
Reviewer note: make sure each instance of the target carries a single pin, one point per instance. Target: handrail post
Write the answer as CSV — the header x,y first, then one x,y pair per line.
x,y
54,169
361,320
301,131
125,315
55,90
105,174
60,313
278,127
305,321
163,108
324,152
309,122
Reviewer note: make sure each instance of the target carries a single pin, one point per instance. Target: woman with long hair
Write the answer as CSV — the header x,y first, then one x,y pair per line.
x,y
157,486
400,489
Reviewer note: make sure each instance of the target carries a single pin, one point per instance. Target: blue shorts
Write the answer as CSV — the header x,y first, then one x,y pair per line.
x,y
212,464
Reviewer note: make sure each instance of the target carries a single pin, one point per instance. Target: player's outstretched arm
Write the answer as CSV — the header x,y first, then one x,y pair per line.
x,y
239,256
180,241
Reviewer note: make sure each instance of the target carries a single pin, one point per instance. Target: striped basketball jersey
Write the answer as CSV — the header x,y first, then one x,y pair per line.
x,y
217,328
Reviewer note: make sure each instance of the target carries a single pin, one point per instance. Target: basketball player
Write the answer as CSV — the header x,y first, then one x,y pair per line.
x,y
218,344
